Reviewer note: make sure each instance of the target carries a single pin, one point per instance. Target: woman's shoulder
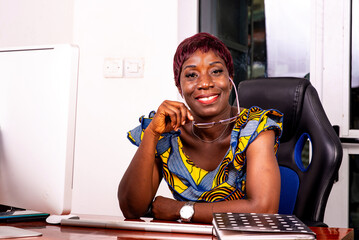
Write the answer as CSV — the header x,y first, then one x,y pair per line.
x,y
251,122
258,114
256,119
256,111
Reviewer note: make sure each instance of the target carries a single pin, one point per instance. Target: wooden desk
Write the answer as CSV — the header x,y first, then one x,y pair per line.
x,y
54,232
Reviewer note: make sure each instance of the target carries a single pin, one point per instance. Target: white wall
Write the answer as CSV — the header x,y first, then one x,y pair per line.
x,y
107,107
35,22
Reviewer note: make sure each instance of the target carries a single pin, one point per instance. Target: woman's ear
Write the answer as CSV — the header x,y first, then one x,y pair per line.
x,y
180,91
230,84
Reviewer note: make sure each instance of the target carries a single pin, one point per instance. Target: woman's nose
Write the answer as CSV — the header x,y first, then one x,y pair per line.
x,y
205,82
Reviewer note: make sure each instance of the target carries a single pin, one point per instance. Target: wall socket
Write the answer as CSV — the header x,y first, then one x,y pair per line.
x,y
113,68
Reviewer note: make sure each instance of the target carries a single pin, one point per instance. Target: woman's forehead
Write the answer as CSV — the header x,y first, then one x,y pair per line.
x,y
199,56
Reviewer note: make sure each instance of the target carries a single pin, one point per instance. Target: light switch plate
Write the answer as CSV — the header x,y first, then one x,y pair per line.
x,y
134,67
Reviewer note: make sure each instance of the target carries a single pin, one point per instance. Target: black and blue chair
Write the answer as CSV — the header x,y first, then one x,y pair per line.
x,y
305,188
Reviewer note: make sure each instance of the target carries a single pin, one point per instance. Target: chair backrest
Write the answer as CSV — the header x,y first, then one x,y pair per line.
x,y
304,190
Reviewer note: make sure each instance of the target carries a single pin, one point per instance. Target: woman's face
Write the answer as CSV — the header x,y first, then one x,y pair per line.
x,y
205,85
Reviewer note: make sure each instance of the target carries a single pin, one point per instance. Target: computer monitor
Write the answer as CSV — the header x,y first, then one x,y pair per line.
x,y
38,98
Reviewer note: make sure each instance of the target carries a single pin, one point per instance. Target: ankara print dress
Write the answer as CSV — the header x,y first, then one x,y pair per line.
x,y
188,182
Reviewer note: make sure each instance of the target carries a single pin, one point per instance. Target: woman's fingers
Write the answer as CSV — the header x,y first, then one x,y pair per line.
x,y
172,115
178,114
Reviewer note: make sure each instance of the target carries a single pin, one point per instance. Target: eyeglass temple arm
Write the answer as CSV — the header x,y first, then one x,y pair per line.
x,y
235,90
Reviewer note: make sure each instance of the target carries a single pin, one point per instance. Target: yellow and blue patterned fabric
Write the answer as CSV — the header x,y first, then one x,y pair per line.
x,y
188,182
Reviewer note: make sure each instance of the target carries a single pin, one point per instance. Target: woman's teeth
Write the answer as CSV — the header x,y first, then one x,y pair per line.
x,y
207,98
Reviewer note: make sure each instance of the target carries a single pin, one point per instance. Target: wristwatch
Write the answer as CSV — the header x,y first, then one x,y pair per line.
x,y
187,212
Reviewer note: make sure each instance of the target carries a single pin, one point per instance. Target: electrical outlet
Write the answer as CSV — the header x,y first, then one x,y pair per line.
x,y
113,68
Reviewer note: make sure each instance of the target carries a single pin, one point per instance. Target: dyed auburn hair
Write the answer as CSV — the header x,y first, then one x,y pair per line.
x,y
203,42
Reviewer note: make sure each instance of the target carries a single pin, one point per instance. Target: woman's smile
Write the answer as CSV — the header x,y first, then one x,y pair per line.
x,y
207,99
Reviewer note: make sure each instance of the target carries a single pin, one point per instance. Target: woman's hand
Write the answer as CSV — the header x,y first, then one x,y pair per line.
x,y
170,116
166,208
140,182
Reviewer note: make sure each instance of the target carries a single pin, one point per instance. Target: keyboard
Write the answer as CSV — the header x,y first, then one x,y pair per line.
x,y
141,226
22,215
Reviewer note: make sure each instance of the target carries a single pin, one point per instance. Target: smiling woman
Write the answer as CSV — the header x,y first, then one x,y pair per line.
x,y
214,157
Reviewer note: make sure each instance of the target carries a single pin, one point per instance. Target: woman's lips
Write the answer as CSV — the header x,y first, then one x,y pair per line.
x,y
207,99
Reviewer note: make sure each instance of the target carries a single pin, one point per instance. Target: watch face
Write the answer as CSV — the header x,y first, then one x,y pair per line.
x,y
186,212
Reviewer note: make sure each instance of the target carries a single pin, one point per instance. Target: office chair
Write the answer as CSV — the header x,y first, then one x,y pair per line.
x,y
304,189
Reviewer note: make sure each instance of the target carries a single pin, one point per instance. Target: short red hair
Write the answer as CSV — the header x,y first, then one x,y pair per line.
x,y
203,42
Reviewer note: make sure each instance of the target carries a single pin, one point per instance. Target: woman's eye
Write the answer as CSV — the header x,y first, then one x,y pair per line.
x,y
191,75
217,71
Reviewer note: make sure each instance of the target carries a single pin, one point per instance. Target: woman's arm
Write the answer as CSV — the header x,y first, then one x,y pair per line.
x,y
262,187
140,182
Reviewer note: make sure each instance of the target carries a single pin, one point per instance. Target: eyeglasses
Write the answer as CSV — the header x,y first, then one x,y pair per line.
x,y
224,121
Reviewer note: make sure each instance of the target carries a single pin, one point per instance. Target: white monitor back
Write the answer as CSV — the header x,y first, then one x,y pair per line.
x,y
38,96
